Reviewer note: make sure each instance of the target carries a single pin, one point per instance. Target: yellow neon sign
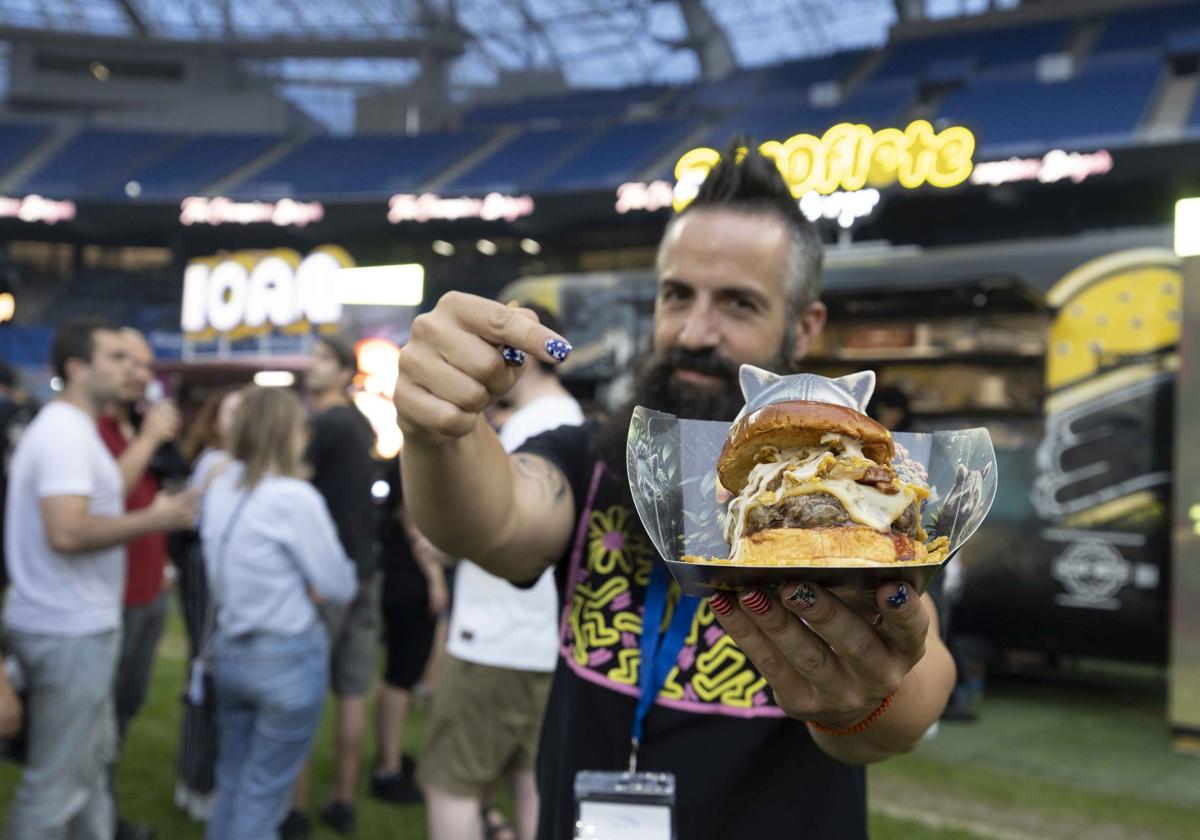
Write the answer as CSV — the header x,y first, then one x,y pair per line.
x,y
851,157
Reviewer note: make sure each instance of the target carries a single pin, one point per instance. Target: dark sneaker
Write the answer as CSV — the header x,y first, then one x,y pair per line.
x,y
295,826
340,817
133,831
397,788
408,767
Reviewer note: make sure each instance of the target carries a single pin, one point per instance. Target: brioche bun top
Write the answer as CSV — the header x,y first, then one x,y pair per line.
x,y
793,425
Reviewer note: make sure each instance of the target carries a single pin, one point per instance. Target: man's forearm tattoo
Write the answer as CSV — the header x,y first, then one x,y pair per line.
x,y
549,479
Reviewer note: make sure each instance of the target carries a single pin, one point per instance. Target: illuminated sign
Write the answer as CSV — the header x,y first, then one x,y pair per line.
x,y
34,208
1187,227
638,195
844,207
198,210
430,207
850,157
250,292
1054,166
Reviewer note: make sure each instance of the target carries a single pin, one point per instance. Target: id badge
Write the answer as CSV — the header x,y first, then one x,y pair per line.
x,y
624,806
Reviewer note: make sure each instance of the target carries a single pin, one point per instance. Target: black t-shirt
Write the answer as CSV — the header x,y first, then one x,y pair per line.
x,y
404,583
743,768
339,451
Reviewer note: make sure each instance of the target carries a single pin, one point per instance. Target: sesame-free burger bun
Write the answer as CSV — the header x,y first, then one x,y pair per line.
x,y
839,546
792,425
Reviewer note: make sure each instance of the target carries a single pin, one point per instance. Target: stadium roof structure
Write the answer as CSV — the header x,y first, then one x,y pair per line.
x,y
371,42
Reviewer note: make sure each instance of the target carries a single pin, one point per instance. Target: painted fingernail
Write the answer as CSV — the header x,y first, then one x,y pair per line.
x,y
757,602
558,349
900,598
512,356
802,598
721,603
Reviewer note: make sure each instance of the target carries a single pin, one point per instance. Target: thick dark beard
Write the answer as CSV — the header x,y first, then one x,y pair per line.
x,y
655,386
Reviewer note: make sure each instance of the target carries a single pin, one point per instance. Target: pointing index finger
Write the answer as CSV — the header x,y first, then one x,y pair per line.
x,y
516,328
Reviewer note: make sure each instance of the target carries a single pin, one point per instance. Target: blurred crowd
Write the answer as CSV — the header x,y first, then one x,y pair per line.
x,y
295,566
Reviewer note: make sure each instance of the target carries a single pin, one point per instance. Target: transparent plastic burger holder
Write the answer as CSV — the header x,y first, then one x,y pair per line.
x,y
673,476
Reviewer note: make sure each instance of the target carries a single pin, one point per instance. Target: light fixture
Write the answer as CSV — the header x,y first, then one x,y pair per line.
x,y
133,189
1187,227
380,490
8,307
443,248
486,247
56,383
381,285
100,71
531,247
274,378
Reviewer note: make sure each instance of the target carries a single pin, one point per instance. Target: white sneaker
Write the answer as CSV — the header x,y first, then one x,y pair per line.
x,y
200,807
183,796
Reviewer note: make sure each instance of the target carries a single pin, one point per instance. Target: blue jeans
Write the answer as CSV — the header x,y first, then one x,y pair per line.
x,y
64,789
270,690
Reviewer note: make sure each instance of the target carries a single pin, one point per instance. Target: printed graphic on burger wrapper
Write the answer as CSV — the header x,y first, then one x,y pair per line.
x,y
672,472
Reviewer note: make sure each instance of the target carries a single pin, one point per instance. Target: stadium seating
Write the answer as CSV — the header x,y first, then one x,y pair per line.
x,y
96,160
986,49
794,75
1147,28
782,115
1012,111
572,106
522,160
596,139
326,166
17,140
617,155
198,162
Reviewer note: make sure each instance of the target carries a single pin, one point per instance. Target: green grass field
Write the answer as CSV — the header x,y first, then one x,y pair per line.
x,y
1044,761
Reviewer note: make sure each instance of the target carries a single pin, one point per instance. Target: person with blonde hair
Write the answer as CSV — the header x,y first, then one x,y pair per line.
x,y
271,553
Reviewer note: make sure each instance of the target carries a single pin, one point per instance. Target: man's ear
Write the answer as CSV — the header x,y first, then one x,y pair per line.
x,y
810,321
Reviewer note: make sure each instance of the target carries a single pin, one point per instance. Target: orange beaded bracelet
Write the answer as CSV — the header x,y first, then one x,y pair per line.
x,y
861,725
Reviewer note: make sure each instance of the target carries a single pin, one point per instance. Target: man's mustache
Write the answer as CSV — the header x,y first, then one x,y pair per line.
x,y
707,362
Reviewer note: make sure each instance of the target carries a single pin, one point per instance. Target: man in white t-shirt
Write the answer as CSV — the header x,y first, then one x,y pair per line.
x,y
65,528
502,649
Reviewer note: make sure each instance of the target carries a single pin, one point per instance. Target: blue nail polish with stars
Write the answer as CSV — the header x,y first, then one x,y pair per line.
x,y
558,349
512,356
900,598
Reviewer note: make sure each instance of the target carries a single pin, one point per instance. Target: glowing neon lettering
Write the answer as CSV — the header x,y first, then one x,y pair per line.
x,y
850,157
249,292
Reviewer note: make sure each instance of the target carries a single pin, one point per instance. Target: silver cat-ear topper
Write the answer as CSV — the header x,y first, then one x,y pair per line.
x,y
761,387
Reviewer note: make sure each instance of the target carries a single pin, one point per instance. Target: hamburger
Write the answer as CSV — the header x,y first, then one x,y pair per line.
x,y
813,485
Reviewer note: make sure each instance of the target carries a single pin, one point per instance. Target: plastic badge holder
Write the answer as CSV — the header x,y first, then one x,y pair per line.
x,y
672,473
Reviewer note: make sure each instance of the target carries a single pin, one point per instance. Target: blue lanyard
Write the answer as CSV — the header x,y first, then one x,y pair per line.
x,y
659,658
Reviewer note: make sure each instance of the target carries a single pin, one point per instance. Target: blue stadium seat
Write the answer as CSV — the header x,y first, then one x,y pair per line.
x,y
794,75
572,106
617,155
198,162
878,104
988,48
1104,103
1147,28
521,161
18,140
324,166
95,160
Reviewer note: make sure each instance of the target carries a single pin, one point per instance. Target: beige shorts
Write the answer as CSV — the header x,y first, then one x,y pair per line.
x,y
484,724
354,640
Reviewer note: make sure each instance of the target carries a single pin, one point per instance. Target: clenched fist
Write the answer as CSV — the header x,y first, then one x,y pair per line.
x,y
465,353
